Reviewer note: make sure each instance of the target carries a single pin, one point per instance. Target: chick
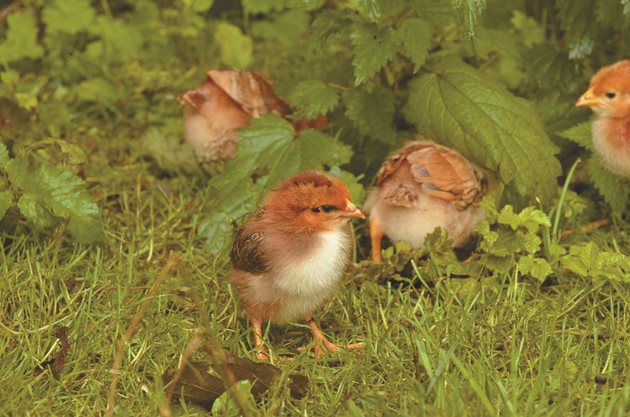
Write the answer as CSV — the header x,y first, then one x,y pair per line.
x,y
289,256
608,95
420,188
223,103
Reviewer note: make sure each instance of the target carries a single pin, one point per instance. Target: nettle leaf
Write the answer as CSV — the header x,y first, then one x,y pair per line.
x,y
372,112
68,16
415,36
538,268
580,134
236,48
439,13
458,106
262,6
6,200
590,262
372,50
21,39
576,18
313,97
49,189
36,211
4,155
371,8
613,188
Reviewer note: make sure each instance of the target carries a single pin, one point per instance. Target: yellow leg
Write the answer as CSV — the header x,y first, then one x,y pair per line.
x,y
261,352
376,234
322,345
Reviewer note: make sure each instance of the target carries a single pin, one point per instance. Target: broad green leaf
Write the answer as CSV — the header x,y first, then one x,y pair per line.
x,y
168,152
470,11
439,13
313,97
120,41
6,200
372,112
415,36
576,18
21,39
262,6
372,50
4,155
286,27
235,47
36,211
613,188
456,105
538,268
580,134
590,262
371,8
67,16
61,193
225,406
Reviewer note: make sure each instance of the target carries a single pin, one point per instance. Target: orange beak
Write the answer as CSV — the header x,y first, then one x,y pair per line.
x,y
589,99
352,211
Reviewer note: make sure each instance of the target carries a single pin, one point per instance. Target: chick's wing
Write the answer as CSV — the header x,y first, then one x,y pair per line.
x,y
246,253
445,174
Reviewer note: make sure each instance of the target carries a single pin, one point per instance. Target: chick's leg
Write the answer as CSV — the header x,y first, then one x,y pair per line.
x,y
376,235
261,352
322,345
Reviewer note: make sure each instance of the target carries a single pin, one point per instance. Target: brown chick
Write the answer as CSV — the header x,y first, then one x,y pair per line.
x,y
289,256
608,95
420,188
223,103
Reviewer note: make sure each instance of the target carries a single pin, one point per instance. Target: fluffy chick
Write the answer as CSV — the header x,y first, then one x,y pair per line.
x,y
608,95
223,103
420,188
288,257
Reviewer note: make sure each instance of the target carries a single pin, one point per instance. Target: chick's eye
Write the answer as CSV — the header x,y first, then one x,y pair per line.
x,y
326,208
610,95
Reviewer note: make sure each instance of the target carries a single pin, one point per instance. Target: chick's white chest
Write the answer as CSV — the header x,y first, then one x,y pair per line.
x,y
313,277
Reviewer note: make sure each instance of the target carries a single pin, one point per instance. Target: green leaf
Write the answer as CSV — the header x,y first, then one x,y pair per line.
x,y
36,211
286,27
235,47
120,41
313,97
372,50
536,267
67,16
371,8
6,200
372,112
613,188
4,155
55,190
168,152
590,262
225,406
262,6
415,36
456,105
21,39
580,134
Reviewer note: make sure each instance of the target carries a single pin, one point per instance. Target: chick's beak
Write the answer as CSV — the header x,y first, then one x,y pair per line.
x,y
588,99
352,211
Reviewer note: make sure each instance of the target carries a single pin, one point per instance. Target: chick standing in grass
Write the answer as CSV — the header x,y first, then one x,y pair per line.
x,y
289,256
424,186
223,103
608,95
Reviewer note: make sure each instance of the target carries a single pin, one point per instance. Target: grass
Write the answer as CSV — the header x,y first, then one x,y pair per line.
x,y
499,346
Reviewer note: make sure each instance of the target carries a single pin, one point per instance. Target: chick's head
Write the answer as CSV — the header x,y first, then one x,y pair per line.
x,y
312,201
608,94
